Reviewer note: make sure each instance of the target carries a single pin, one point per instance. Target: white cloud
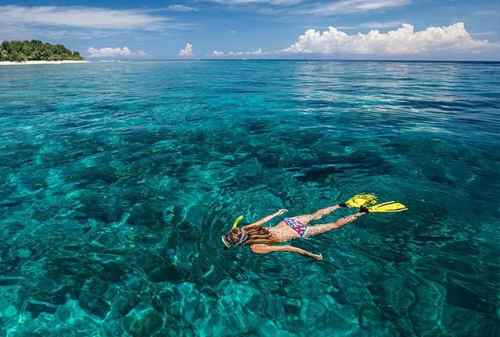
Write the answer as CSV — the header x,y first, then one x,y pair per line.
x,y
487,12
374,25
124,52
258,52
82,17
187,51
318,8
250,2
181,8
402,41
353,6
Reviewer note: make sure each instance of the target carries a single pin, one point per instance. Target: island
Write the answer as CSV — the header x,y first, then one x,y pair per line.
x,y
36,51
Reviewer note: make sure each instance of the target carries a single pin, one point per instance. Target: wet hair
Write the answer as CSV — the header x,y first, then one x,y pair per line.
x,y
234,237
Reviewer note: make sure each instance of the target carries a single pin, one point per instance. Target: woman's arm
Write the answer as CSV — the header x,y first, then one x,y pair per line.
x,y
265,219
265,249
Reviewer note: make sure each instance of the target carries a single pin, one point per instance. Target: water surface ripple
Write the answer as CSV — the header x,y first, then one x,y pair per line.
x,y
117,179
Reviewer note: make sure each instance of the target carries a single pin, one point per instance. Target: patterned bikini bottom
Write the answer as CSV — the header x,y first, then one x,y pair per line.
x,y
297,226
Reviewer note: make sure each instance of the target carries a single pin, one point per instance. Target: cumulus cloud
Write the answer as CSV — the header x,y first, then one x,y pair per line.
x,y
402,41
181,8
187,51
107,52
217,53
353,6
82,17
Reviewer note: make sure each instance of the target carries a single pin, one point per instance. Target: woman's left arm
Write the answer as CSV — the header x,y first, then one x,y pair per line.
x,y
266,249
265,219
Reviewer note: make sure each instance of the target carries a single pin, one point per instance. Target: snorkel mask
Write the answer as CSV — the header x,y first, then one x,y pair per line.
x,y
228,239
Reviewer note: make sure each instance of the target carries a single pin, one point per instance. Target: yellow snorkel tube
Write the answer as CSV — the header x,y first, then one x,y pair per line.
x,y
237,222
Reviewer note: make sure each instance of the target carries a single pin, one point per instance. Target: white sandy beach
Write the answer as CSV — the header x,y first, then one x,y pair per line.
x,y
9,63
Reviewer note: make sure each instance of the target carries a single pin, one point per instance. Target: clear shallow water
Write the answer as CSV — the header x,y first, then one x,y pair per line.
x,y
116,181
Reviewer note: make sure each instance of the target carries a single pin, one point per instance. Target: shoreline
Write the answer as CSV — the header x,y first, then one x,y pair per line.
x,y
12,63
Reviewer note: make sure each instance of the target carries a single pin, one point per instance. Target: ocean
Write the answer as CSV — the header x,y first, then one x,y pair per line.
x,y
118,179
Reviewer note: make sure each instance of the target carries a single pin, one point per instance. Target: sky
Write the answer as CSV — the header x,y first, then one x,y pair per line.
x,y
326,29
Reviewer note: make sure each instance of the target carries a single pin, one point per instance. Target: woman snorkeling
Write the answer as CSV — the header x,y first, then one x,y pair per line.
x,y
262,240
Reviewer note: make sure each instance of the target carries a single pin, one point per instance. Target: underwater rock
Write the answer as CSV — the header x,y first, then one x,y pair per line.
x,y
97,205
36,308
269,328
460,296
190,302
148,214
173,214
194,214
98,173
92,297
369,313
168,272
427,312
72,270
123,303
113,328
291,309
10,228
49,291
142,135
142,322
150,261
68,320
352,287
380,296
8,312
18,154
468,323
189,234
161,269
113,271
34,179
9,281
317,174
179,330
10,298
44,213
163,300
235,294
125,296
258,126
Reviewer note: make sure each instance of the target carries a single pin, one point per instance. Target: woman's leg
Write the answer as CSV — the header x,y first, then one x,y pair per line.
x,y
324,212
306,218
323,228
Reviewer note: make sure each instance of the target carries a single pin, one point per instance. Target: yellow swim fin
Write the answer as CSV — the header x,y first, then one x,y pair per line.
x,y
387,207
359,200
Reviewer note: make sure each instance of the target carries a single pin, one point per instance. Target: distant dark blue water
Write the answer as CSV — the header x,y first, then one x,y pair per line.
x,y
117,180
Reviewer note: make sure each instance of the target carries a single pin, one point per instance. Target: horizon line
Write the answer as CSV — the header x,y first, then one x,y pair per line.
x,y
287,59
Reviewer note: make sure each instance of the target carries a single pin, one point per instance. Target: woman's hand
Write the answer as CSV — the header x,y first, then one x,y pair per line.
x,y
317,257
281,212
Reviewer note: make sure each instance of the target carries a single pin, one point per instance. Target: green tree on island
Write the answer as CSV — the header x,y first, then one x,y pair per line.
x,y
35,50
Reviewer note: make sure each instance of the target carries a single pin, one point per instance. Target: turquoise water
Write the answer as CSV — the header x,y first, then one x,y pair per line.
x,y
117,179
